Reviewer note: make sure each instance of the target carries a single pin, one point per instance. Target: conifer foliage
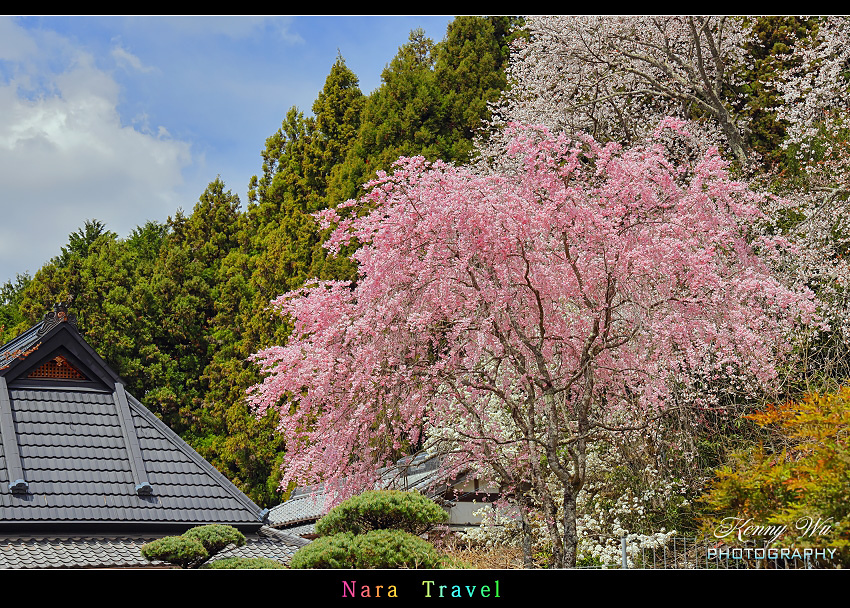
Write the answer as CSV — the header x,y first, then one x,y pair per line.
x,y
379,529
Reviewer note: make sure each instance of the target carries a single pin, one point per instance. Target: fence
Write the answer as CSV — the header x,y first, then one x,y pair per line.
x,y
695,553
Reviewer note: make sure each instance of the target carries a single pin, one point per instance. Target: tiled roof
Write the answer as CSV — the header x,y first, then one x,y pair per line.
x,y
78,467
299,509
302,530
19,346
75,552
124,551
88,474
89,452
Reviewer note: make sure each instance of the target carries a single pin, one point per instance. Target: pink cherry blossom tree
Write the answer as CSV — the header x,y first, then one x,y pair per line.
x,y
615,76
507,321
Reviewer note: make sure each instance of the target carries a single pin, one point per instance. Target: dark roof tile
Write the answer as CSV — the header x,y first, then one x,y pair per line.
x,y
122,551
75,448
82,450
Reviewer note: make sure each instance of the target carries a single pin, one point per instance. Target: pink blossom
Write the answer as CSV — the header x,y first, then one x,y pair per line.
x,y
506,319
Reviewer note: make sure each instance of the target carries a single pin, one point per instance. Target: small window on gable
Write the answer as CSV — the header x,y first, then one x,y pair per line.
x,y
57,368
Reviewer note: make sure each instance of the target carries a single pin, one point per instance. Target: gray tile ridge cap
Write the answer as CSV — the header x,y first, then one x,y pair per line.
x,y
307,496
184,447
77,536
316,499
422,479
20,344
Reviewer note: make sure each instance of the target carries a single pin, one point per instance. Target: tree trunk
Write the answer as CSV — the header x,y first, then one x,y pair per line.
x,y
733,136
570,531
550,513
527,561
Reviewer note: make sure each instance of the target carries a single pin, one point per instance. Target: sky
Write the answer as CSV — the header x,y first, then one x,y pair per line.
x,y
125,119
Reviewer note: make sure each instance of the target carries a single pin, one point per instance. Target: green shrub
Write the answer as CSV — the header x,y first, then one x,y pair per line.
x,y
394,549
374,549
244,563
377,529
177,550
382,510
216,537
193,547
326,552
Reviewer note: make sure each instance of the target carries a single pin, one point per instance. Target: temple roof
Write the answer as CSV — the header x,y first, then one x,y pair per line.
x,y
81,456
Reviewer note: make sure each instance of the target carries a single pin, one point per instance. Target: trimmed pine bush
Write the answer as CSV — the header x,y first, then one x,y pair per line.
x,y
193,547
216,537
244,563
177,550
326,552
382,510
394,549
374,549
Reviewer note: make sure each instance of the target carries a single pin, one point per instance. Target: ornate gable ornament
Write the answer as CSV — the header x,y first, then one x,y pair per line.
x,y
58,315
57,368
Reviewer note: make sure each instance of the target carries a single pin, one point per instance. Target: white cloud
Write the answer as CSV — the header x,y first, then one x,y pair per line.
x,y
66,156
14,43
125,59
235,26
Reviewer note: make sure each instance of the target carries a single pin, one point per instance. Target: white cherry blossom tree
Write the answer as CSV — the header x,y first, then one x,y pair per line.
x,y
615,77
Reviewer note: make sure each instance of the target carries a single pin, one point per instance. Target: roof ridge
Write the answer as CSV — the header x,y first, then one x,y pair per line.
x,y
21,344
283,535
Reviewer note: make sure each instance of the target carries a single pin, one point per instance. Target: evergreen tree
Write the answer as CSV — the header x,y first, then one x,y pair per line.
x,y
279,248
469,73
400,118
80,241
11,294
337,110
182,288
432,99
769,57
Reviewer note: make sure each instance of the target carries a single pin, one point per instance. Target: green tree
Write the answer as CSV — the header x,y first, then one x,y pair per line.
x,y
11,294
80,241
431,101
768,52
400,118
469,73
277,248
337,110
173,298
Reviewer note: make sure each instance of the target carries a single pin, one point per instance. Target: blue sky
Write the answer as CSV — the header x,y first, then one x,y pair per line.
x,y
126,119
